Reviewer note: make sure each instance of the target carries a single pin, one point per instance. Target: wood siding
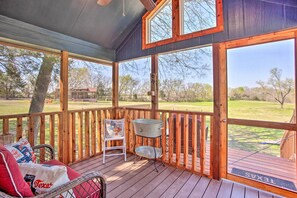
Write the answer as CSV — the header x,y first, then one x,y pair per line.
x,y
242,18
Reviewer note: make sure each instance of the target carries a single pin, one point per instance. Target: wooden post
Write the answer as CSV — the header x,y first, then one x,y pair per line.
x,y
219,139
176,26
115,86
64,105
154,85
295,75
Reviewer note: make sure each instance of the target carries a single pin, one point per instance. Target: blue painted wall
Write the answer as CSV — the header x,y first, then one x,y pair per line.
x,y
242,18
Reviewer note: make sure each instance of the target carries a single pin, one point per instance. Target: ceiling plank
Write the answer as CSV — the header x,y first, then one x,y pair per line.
x,y
148,4
24,32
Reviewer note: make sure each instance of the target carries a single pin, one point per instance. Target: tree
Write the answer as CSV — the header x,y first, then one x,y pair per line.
x,y
127,86
276,87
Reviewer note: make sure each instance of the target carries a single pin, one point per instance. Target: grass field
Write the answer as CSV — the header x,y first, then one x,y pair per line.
x,y
242,137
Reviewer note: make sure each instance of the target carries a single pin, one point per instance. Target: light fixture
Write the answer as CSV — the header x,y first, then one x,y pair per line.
x,y
103,2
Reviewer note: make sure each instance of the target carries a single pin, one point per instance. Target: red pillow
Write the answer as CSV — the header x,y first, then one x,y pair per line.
x,y
11,179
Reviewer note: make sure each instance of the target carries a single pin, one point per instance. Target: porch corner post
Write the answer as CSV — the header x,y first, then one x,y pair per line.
x,y
154,85
115,87
218,155
64,108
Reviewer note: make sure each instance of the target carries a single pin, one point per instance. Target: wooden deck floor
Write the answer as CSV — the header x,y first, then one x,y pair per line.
x,y
126,179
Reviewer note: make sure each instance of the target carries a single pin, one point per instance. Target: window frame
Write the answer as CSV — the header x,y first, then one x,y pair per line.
x,y
176,24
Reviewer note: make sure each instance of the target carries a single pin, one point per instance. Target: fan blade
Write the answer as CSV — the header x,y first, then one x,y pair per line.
x,y
148,4
103,2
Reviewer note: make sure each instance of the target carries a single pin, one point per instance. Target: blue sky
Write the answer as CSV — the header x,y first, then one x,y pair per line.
x,y
246,65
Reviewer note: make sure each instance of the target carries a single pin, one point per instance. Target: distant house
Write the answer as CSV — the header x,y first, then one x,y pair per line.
x,y
80,94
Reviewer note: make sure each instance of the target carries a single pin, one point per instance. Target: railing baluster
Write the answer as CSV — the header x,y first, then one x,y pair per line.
x,y
99,131
19,130
5,126
131,131
42,136
211,148
60,136
147,116
127,135
31,130
87,134
178,139
164,137
93,132
80,135
52,130
202,144
186,139
158,139
171,138
73,136
194,143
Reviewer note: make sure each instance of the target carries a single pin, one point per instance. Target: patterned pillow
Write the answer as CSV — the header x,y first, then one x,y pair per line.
x,y
22,151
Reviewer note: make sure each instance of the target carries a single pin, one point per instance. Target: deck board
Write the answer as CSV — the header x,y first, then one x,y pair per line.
x,y
225,189
129,179
177,185
186,190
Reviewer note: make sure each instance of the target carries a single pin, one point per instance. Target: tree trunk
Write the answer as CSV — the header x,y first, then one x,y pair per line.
x,y
40,90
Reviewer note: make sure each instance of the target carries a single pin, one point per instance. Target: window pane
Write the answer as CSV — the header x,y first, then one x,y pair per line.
x,y
89,85
261,82
185,80
134,82
197,15
160,25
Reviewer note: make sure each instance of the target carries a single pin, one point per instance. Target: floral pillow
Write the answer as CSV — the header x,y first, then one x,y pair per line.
x,y
22,151
114,128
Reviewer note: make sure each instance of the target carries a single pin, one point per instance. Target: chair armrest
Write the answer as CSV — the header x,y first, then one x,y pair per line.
x,y
96,187
43,152
4,195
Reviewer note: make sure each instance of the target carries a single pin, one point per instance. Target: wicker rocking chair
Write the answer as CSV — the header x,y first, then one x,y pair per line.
x,y
90,185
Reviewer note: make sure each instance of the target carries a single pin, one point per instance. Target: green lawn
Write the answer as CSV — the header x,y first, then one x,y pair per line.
x,y
242,137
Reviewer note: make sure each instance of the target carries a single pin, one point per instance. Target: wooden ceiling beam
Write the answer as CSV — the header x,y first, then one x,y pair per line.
x,y
148,4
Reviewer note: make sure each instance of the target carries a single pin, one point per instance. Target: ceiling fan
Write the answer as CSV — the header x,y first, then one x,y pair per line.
x,y
148,4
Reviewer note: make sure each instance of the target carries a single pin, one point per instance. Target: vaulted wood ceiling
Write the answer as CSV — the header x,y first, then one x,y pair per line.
x,y
82,19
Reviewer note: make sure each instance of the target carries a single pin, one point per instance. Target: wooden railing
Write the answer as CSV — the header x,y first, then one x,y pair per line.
x,y
22,125
186,136
288,142
86,132
186,143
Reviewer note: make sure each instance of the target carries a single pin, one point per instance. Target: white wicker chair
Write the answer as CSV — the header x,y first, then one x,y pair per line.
x,y
114,130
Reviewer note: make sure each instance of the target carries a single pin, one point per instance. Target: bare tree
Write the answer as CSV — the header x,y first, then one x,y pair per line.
x,y
276,87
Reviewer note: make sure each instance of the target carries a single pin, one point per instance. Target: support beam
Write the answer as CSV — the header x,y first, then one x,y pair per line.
x,y
148,4
64,106
154,85
115,84
219,140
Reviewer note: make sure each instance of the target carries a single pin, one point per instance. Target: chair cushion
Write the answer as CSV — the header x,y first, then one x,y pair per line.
x,y
84,190
11,179
22,151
